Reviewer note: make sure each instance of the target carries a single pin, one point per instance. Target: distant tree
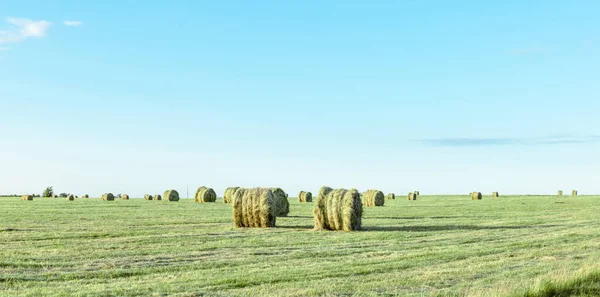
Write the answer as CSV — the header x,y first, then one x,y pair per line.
x,y
48,192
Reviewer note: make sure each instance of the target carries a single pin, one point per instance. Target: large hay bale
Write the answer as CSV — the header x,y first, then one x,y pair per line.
x,y
70,197
85,196
228,195
476,196
412,196
108,197
254,208
148,197
124,196
574,193
391,196
560,193
495,195
373,198
282,205
204,194
157,197
305,196
27,197
171,195
339,209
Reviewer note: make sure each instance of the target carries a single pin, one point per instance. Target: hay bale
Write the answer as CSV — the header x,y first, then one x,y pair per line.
x,y
85,196
148,197
391,196
495,195
412,196
254,208
27,197
339,209
54,196
204,194
228,196
124,196
157,197
476,196
172,196
560,193
108,197
373,198
417,193
70,197
305,196
574,193
282,205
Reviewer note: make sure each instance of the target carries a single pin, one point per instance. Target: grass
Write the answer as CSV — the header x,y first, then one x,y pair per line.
x,y
435,246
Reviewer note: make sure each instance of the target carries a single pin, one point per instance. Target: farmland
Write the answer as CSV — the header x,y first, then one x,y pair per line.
x,y
434,246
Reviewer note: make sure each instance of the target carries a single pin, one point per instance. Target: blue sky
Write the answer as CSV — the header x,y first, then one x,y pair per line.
x,y
440,96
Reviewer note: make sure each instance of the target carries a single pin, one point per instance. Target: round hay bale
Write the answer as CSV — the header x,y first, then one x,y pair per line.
x,y
373,198
412,196
148,197
204,194
108,197
574,193
70,197
253,208
54,196
125,197
304,196
417,193
282,205
27,197
85,196
560,193
391,196
339,209
171,195
228,195
495,195
476,196
157,197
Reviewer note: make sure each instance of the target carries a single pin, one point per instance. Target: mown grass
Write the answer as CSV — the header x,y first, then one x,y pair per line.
x,y
434,246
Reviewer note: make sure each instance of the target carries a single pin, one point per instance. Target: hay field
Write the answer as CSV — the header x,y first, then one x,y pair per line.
x,y
434,246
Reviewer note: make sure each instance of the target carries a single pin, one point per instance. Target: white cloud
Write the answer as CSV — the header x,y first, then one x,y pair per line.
x,y
21,29
73,23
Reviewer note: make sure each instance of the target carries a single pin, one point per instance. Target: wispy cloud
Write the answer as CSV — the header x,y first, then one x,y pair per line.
x,y
73,23
20,29
475,141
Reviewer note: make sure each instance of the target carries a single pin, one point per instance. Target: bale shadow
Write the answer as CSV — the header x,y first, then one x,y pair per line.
x,y
447,228
415,218
298,217
296,227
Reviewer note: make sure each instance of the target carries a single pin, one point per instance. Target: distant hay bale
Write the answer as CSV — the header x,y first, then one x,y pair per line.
x,y
172,195
254,208
54,196
560,193
391,196
412,196
417,193
125,197
157,197
204,194
305,196
476,196
495,195
282,205
108,197
228,195
373,198
574,193
339,209
148,197
27,197
70,197
85,196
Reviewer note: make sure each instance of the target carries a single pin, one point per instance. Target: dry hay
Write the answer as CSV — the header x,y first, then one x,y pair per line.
x,y
124,196
70,197
204,194
412,196
148,197
228,195
27,197
171,195
338,209
305,196
574,193
373,198
85,196
108,197
391,196
476,196
560,193
254,208
495,195
157,197
282,205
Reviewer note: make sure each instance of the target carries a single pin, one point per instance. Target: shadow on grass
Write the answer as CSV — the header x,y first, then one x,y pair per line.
x,y
297,217
446,228
303,227
415,218
588,285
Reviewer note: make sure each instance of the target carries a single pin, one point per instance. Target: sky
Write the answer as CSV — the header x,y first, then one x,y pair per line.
x,y
445,97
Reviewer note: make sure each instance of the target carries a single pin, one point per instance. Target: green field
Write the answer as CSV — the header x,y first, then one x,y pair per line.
x,y
435,246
